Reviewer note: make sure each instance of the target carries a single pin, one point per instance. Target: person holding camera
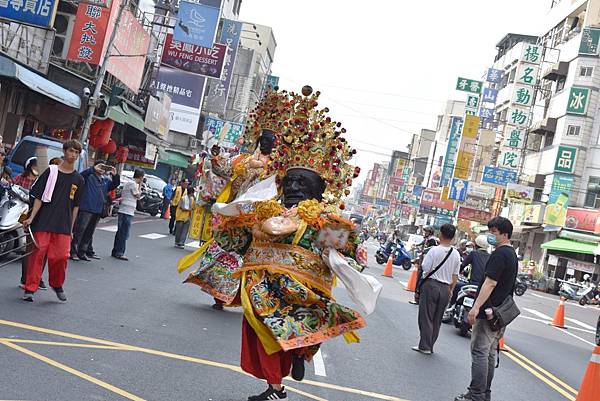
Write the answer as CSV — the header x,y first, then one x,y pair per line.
x,y
99,181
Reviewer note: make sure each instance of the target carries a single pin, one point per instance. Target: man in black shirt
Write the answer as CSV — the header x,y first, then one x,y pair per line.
x,y
500,276
57,194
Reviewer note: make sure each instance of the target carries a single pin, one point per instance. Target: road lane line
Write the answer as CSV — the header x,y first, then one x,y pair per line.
x,y
404,283
307,395
547,322
575,336
74,372
319,364
542,370
541,377
538,314
61,344
186,358
584,325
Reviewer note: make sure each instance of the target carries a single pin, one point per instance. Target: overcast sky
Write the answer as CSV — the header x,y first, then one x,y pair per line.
x,y
385,67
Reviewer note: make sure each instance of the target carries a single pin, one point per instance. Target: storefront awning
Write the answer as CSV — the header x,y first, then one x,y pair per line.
x,y
565,245
38,83
125,115
174,159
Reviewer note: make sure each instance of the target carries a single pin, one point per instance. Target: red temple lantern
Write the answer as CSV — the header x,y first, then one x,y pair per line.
x,y
122,154
110,147
100,132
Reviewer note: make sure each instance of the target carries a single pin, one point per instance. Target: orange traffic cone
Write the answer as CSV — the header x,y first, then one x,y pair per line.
x,y
559,316
387,272
168,213
590,386
412,281
501,344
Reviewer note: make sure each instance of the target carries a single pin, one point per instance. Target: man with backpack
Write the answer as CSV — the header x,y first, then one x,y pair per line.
x,y
440,274
496,288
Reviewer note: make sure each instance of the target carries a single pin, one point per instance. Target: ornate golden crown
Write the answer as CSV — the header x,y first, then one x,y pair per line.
x,y
269,114
309,139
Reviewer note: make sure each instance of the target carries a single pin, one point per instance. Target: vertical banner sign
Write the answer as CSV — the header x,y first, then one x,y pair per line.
x,y
196,24
89,32
514,138
451,151
558,201
494,76
578,100
31,12
467,148
485,150
219,90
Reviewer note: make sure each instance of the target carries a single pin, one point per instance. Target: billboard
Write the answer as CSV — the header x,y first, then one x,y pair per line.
x,y
192,58
31,12
196,24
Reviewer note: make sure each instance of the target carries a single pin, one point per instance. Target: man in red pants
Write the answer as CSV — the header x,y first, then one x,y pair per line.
x,y
57,194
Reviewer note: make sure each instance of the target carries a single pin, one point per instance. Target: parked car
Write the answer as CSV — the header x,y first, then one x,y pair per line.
x,y
151,200
152,181
25,149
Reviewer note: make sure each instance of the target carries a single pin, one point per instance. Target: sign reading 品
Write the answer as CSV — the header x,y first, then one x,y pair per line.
x,y
565,159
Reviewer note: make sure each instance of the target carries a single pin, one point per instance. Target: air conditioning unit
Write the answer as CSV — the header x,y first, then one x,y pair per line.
x,y
194,143
63,24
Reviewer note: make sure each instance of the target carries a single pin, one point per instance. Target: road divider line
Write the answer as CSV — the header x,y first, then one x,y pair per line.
x,y
547,322
542,370
233,368
304,393
61,344
538,314
72,371
580,323
575,336
319,364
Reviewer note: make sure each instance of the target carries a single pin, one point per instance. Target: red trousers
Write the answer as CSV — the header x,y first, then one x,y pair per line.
x,y
254,359
56,247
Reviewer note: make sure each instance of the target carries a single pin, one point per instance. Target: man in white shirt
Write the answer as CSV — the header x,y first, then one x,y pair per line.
x,y
436,287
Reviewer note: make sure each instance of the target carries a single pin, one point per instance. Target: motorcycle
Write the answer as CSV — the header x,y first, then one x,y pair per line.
x,y
462,307
14,203
400,255
571,291
150,202
520,285
590,296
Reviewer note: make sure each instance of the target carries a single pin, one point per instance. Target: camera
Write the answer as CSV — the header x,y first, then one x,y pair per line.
x,y
87,92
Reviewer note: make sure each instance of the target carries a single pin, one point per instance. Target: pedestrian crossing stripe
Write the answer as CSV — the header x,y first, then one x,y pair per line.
x,y
152,236
193,244
112,229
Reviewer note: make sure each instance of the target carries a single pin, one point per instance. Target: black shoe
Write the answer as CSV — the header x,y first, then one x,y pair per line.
x,y
217,306
270,394
94,256
60,294
84,257
42,286
27,296
297,368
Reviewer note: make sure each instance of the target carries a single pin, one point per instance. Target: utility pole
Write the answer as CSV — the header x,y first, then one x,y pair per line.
x,y
93,100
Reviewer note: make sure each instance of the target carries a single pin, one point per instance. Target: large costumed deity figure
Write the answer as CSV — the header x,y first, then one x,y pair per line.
x,y
285,254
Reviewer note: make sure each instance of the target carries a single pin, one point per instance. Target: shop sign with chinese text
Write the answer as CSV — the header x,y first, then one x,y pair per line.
x,y
558,200
472,101
509,158
519,193
578,100
467,148
456,124
565,159
583,219
469,85
458,189
523,96
494,76
431,203
32,12
481,191
527,74
518,117
533,214
489,95
531,53
479,216
498,176
514,137
231,137
137,157
196,24
486,114
589,41
219,90
192,58
89,31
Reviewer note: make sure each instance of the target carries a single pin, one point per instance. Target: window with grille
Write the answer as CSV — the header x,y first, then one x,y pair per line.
x,y
586,71
573,130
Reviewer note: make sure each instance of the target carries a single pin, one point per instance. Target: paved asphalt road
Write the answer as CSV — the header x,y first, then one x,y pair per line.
x,y
131,330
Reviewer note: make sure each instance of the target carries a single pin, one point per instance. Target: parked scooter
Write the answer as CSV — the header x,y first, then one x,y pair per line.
x,y
13,204
462,307
400,255
590,296
150,202
520,285
571,291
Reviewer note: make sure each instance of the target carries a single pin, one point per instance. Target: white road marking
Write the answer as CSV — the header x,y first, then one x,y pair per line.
x,y
319,364
540,296
574,336
112,229
580,323
152,236
555,300
538,314
404,283
566,326
193,244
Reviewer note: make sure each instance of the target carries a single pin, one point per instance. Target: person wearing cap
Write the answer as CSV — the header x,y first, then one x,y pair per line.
x,y
28,177
477,260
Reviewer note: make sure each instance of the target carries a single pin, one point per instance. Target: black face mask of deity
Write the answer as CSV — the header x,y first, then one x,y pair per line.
x,y
266,142
300,184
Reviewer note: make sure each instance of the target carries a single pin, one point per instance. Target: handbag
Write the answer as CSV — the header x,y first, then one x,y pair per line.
x,y
432,272
503,314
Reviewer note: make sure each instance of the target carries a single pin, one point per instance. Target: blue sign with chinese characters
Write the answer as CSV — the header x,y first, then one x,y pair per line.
x,y
489,95
494,76
196,24
487,115
272,81
499,176
33,12
452,150
458,189
231,137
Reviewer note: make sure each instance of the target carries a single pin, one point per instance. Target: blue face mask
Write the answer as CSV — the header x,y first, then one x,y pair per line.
x,y
491,239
